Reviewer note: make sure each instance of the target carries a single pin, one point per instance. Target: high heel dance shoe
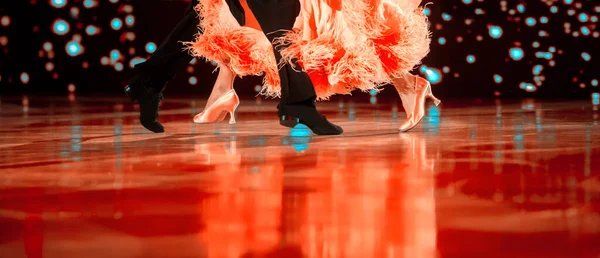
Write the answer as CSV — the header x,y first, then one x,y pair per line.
x,y
413,100
217,111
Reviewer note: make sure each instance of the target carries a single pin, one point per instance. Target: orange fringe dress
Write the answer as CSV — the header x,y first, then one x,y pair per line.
x,y
342,45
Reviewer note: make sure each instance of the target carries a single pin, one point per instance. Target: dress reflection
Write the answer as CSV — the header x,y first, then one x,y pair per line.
x,y
495,179
336,207
243,216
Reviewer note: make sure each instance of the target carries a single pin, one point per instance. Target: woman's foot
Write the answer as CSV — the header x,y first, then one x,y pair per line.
x,y
414,91
223,84
216,112
222,99
217,92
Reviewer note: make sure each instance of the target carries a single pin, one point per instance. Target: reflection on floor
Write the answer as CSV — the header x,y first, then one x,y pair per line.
x,y
474,179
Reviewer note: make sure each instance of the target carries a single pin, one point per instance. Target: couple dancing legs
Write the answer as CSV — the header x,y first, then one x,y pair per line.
x,y
297,29
297,93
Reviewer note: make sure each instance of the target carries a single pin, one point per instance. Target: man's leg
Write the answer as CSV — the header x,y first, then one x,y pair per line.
x,y
297,91
151,76
147,84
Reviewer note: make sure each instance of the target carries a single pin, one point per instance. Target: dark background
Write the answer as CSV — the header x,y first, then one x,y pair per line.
x,y
31,25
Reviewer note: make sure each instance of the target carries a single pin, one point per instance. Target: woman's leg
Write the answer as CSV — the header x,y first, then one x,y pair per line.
x,y
223,84
222,101
414,90
404,87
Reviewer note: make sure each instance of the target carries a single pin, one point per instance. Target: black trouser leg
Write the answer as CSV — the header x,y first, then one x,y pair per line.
x,y
170,56
274,16
151,76
297,91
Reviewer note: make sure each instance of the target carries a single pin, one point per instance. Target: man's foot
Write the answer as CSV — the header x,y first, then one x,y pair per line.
x,y
292,115
149,100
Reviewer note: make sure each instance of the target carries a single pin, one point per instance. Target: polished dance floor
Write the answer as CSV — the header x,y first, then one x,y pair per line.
x,y
479,179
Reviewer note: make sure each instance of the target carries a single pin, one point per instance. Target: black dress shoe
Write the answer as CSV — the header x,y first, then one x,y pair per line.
x,y
292,115
149,100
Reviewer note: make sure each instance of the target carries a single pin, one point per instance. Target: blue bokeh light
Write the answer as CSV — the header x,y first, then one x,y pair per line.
x,y
495,31
150,47
60,27
498,78
74,48
516,53
58,3
116,24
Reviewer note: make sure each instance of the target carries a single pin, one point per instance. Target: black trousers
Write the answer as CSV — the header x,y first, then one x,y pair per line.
x,y
272,15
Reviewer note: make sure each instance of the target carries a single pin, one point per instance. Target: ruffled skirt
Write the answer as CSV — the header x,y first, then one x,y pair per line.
x,y
342,45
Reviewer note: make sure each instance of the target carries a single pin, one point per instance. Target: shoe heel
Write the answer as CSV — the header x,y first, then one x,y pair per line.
x,y
232,114
436,101
289,121
232,118
226,104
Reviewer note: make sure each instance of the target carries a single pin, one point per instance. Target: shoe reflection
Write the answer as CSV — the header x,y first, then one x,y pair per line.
x,y
335,203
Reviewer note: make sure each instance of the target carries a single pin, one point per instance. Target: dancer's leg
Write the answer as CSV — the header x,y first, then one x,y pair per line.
x,y
404,87
222,101
169,57
150,77
223,84
413,90
297,91
274,17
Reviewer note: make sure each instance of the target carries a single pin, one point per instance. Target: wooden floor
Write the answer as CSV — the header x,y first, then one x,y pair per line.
x,y
477,179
